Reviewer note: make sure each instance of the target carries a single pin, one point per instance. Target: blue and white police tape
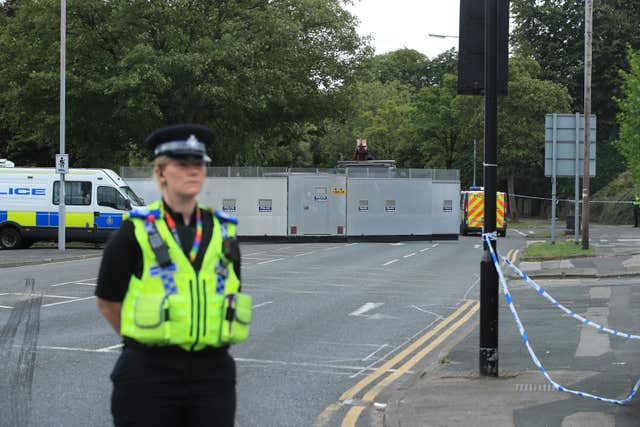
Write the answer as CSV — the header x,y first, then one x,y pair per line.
x,y
525,339
576,316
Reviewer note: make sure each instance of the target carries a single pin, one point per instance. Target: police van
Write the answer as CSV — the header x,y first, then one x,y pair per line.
x,y
472,211
95,201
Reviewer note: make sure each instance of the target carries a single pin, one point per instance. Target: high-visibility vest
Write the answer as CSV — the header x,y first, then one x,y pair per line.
x,y
177,305
475,209
636,202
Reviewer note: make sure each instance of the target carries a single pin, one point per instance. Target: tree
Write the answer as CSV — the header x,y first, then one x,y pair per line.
x,y
446,124
259,72
629,118
552,32
521,124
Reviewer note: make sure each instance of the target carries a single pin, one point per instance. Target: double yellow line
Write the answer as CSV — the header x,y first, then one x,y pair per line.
x,y
466,311
512,255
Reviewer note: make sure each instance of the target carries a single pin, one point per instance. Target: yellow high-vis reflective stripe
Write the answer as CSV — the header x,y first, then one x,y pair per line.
x,y
26,219
79,219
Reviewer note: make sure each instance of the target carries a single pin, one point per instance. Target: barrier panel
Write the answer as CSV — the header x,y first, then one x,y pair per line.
x,y
389,206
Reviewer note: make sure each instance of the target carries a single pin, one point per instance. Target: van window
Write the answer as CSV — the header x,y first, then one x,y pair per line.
x,y
76,193
109,196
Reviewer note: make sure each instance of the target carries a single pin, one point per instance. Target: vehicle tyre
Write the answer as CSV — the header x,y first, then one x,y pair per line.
x,y
10,238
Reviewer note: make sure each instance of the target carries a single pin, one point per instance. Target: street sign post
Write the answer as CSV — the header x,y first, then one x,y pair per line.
x,y
564,156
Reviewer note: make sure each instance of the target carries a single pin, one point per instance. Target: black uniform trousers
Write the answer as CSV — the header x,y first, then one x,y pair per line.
x,y
636,214
159,388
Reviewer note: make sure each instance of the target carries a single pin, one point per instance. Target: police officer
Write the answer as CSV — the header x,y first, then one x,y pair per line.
x,y
169,283
636,210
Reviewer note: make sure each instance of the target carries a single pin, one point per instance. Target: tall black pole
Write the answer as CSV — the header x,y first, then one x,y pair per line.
x,y
488,276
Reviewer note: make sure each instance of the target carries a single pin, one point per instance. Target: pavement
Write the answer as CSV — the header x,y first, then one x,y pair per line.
x,y
604,288
43,253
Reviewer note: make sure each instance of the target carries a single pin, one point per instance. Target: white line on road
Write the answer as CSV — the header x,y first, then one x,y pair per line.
x,y
86,284
437,316
110,348
87,350
409,255
390,262
75,281
367,307
307,364
262,304
270,261
375,351
476,246
351,244
304,253
68,301
425,249
519,232
435,245
628,240
397,244
330,248
5,306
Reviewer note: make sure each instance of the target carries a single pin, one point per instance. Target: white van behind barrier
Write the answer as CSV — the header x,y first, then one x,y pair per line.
x,y
95,201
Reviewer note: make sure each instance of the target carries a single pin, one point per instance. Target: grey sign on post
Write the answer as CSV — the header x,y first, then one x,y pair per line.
x,y
566,149
564,155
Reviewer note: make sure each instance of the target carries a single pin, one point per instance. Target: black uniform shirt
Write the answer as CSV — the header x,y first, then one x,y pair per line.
x,y
122,255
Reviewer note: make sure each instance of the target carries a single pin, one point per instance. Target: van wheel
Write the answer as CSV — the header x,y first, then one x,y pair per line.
x,y
10,238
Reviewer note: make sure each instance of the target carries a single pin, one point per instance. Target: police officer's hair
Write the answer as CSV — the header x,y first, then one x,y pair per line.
x,y
160,163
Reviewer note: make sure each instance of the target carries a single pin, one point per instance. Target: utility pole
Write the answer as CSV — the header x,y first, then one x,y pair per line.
x,y
588,36
63,61
474,162
489,296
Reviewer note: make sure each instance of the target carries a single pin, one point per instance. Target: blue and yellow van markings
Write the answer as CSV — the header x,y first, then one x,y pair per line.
x,y
73,219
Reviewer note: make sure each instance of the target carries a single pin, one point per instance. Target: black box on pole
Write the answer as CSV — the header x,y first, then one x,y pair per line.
x,y
471,47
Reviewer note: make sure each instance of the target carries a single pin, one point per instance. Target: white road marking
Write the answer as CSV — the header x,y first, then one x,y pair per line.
x,y
304,253
435,245
86,284
110,348
604,240
75,281
86,350
262,304
270,261
520,232
351,244
628,240
5,306
68,301
308,364
390,262
43,295
425,249
409,255
397,244
330,248
437,316
374,352
476,246
367,307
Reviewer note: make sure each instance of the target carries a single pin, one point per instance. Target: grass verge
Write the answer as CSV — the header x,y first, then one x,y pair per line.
x,y
542,251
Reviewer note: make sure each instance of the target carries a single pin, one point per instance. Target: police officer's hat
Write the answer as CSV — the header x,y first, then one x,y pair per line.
x,y
181,141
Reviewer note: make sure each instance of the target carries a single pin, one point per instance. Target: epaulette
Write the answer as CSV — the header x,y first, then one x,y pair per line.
x,y
142,212
226,218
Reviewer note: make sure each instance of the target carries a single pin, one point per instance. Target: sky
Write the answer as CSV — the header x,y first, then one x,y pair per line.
x,y
396,24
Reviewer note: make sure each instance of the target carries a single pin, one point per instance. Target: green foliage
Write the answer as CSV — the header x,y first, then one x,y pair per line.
x,y
542,251
629,119
619,189
552,31
260,73
521,119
